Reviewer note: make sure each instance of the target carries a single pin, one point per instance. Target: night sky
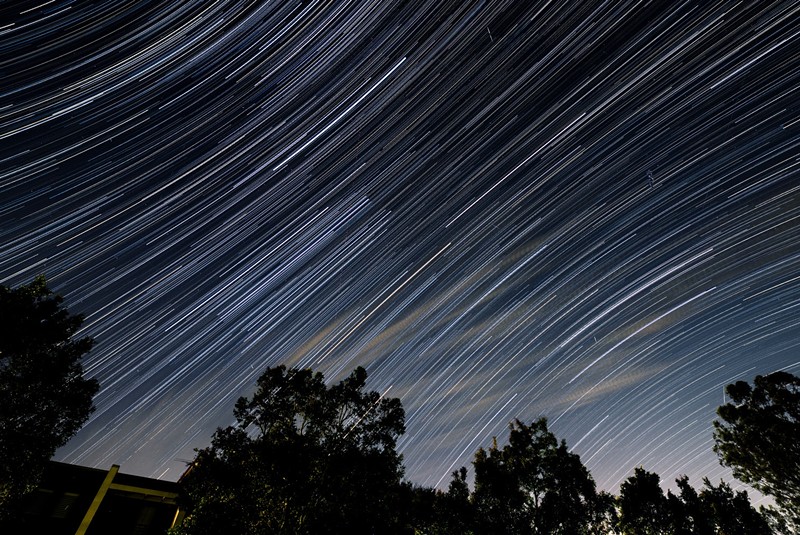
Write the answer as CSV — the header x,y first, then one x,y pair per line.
x,y
588,211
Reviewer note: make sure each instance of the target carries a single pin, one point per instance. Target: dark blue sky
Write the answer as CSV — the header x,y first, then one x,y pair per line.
x,y
588,211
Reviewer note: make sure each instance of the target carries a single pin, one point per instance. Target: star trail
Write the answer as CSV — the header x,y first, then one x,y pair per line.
x,y
588,211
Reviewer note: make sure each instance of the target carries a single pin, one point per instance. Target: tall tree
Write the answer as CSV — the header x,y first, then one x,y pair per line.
x,y
759,437
731,512
44,397
454,511
602,514
532,485
688,512
302,458
642,504
714,510
497,496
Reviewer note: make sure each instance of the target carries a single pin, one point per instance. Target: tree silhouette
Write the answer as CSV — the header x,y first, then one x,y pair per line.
x,y
715,510
642,504
454,511
759,437
602,514
533,485
434,512
731,511
687,511
44,398
303,458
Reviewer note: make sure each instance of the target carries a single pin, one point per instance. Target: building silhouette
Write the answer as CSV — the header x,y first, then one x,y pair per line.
x,y
78,500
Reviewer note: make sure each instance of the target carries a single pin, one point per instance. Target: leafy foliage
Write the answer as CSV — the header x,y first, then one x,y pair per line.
x,y
731,512
307,458
715,510
434,512
303,458
532,485
687,511
759,437
44,398
643,506
454,510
